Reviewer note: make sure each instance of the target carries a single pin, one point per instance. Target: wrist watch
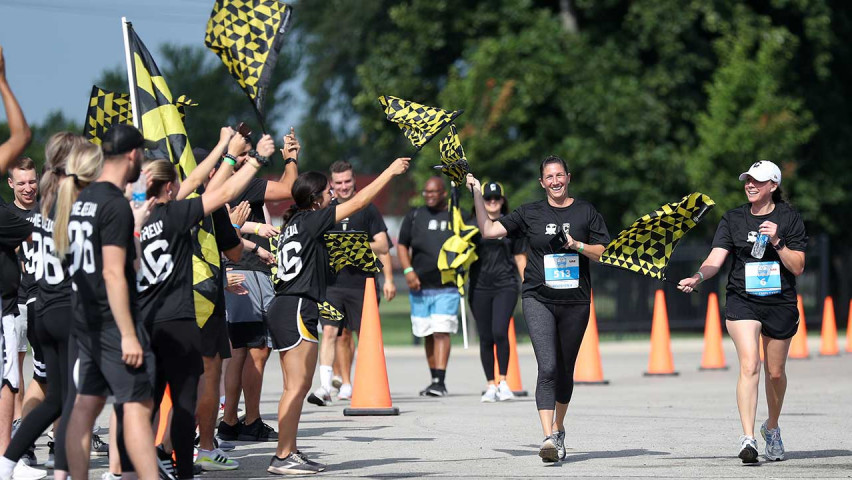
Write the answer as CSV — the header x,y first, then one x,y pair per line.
x,y
779,245
290,160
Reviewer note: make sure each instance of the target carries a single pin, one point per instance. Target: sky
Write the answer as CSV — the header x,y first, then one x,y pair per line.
x,y
56,49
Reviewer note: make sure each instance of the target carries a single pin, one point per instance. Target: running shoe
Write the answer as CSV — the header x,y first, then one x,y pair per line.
x,y
548,451
504,392
165,464
748,449
292,464
22,471
437,390
320,397
774,445
559,436
215,460
490,395
110,476
258,431
29,457
345,392
423,392
229,432
336,381
309,461
50,457
99,448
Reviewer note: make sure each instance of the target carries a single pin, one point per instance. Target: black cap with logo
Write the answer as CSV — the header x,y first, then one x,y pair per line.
x,y
492,190
123,138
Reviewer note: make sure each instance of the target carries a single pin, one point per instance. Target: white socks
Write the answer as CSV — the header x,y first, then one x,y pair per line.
x,y
326,372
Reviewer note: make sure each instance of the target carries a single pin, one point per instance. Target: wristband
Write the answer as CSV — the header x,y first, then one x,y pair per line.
x,y
779,245
236,226
290,160
408,270
137,234
230,159
261,160
257,229
700,276
256,247
582,247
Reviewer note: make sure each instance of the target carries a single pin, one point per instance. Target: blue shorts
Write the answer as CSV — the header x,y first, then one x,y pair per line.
x,y
434,310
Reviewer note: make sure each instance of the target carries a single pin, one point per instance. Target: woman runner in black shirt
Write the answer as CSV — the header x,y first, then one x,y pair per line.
x,y
761,297
165,285
563,233
494,294
303,272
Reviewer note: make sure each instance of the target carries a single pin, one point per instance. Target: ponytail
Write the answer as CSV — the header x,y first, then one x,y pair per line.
x,y
83,167
55,157
306,189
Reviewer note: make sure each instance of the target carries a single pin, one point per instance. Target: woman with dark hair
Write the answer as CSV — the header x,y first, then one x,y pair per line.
x,y
494,280
767,239
302,276
563,233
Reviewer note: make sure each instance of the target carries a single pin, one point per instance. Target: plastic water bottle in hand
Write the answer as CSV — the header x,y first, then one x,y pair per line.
x,y
139,188
759,245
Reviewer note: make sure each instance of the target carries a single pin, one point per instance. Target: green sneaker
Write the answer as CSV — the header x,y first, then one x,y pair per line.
x,y
215,460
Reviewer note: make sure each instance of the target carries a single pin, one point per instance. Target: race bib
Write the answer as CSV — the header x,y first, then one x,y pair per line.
x,y
562,270
763,278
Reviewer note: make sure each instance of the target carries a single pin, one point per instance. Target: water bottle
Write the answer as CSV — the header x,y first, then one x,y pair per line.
x,y
139,187
759,245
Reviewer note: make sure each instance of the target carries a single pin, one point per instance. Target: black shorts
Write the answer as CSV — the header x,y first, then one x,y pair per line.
x,y
350,302
291,320
777,321
247,335
178,339
214,338
103,373
39,372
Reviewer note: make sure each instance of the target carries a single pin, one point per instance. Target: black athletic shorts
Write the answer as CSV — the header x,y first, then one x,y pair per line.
x,y
214,338
39,372
777,321
291,320
103,373
247,334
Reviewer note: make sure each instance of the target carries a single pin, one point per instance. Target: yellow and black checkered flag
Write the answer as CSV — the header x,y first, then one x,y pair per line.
x,y
646,246
161,121
351,248
247,35
418,122
105,110
328,312
453,162
458,252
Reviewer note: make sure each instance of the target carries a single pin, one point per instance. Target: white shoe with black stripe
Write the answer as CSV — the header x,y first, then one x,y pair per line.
x,y
293,464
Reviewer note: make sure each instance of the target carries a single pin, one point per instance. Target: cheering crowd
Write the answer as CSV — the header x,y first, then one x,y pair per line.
x,y
72,242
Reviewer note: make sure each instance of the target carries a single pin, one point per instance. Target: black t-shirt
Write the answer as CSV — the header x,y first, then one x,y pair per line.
x,y
100,217
495,269
13,231
302,258
539,222
53,283
737,232
165,277
27,289
424,232
367,220
255,194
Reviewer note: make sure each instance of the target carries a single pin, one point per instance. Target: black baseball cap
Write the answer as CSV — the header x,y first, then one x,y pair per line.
x,y
123,138
492,190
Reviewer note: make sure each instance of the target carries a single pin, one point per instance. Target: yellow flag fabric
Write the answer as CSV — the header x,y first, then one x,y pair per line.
x,y
161,122
647,245
105,110
418,122
328,312
350,248
458,252
247,36
453,162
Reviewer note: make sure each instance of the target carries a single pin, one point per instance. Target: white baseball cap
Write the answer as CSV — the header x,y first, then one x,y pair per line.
x,y
762,171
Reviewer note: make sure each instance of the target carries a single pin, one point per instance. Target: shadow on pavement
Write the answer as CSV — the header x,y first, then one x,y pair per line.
x,y
573,457
794,455
359,464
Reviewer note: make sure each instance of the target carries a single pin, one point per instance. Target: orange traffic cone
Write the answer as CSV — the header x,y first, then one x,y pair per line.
x,y
513,374
714,356
588,369
165,411
660,361
371,392
849,330
829,329
799,344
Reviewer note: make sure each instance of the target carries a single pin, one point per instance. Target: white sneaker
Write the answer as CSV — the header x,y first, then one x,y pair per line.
x,y
748,449
23,471
336,381
109,476
345,392
215,460
320,397
774,445
504,392
490,395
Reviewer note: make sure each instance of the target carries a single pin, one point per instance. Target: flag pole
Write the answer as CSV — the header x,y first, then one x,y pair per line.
x,y
464,320
125,25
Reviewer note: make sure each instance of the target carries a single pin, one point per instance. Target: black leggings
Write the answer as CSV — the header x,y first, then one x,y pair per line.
x,y
556,332
177,347
52,331
492,310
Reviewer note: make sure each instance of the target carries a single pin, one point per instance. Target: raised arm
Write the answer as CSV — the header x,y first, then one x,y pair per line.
x,y
708,269
487,227
365,196
19,131
283,188
200,173
216,196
